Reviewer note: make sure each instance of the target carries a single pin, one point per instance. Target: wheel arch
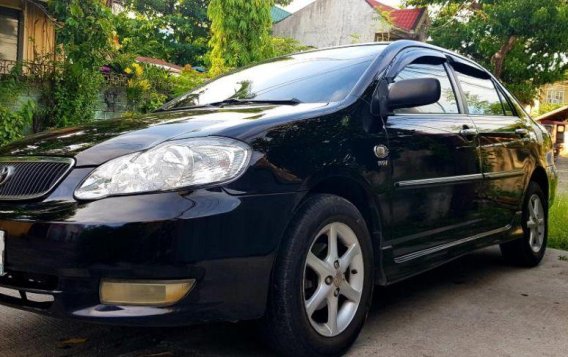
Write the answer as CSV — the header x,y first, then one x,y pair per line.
x,y
359,194
541,178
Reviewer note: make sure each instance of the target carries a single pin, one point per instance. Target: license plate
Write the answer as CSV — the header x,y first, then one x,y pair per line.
x,y
2,253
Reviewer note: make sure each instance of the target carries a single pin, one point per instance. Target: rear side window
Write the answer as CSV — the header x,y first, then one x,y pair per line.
x,y
447,104
506,106
480,95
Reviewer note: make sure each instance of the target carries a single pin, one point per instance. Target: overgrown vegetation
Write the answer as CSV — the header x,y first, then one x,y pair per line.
x,y
240,33
13,122
172,30
558,223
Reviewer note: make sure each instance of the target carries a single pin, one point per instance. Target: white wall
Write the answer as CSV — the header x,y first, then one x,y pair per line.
x,y
326,23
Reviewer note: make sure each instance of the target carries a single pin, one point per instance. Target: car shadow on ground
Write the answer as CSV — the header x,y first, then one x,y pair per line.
x,y
60,338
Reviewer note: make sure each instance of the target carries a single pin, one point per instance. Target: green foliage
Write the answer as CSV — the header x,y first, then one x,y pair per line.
x,y
240,32
558,235
172,30
13,123
187,81
547,107
150,87
524,42
74,96
86,38
284,46
86,32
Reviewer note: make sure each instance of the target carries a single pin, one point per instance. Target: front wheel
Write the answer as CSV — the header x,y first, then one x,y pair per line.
x,y
323,280
529,250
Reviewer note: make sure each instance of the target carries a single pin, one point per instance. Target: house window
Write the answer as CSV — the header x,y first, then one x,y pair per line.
x,y
10,48
555,96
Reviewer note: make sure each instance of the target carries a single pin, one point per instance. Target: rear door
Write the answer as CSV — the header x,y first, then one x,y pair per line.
x,y
502,138
435,169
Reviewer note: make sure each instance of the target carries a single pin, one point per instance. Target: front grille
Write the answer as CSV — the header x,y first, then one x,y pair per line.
x,y
29,178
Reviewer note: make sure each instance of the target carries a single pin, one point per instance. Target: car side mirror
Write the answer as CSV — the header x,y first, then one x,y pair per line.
x,y
411,93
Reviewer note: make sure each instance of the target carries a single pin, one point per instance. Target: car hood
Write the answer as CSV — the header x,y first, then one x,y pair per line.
x,y
98,142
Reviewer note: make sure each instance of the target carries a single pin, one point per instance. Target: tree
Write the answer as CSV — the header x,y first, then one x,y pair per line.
x,y
524,42
86,39
240,32
172,30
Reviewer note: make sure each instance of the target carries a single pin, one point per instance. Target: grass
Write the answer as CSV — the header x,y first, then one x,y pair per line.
x,y
558,224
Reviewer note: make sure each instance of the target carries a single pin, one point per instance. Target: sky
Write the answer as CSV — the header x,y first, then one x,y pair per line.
x,y
298,4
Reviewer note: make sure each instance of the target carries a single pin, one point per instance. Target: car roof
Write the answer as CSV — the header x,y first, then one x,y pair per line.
x,y
398,46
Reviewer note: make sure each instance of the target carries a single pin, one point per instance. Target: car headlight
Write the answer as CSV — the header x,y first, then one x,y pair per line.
x,y
168,166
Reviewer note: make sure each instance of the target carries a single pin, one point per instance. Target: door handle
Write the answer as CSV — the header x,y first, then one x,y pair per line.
x,y
468,133
522,132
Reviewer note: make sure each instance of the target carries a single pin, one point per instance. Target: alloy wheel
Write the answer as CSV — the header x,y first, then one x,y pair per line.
x,y
333,279
536,223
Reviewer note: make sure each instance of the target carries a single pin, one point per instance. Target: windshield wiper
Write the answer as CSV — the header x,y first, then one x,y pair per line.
x,y
234,101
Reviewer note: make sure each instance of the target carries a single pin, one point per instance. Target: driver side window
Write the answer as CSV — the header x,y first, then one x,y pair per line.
x,y
447,103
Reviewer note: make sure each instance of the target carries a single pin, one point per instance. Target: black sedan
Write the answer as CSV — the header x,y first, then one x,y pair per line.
x,y
281,192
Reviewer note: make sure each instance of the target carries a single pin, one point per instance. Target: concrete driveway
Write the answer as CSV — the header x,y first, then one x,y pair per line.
x,y
475,306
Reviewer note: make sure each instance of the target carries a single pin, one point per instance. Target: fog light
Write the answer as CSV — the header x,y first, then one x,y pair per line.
x,y
144,292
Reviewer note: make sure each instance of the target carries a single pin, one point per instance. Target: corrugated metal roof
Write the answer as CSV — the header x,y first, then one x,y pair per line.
x,y
278,14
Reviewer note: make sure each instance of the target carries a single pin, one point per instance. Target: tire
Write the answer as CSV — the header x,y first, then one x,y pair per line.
x,y
529,250
298,287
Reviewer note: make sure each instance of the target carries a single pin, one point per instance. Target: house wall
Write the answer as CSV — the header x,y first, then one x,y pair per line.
x,y
38,35
555,88
327,23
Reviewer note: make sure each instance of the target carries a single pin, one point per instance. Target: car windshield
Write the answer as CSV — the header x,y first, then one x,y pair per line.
x,y
312,77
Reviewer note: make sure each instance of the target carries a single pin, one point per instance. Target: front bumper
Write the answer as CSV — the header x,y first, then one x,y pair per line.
x,y
62,249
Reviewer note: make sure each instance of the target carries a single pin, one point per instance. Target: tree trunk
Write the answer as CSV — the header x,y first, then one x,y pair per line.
x,y
498,58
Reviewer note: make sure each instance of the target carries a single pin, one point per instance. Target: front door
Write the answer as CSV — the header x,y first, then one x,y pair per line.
x,y
435,171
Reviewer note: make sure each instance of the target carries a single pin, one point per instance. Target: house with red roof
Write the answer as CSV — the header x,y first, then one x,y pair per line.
x,y
326,23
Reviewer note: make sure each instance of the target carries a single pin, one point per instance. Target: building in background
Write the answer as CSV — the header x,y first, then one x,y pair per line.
x,y
27,33
326,23
555,93
556,122
278,14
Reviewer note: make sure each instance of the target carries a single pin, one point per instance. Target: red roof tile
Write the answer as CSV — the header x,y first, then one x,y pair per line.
x,y
406,19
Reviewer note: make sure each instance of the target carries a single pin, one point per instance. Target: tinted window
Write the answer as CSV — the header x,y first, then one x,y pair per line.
x,y
447,103
506,106
481,96
314,77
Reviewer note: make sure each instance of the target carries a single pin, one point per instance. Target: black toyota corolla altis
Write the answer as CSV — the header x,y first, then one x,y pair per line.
x,y
282,192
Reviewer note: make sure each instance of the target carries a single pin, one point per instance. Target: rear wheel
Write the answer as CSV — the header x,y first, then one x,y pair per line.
x,y
529,250
323,280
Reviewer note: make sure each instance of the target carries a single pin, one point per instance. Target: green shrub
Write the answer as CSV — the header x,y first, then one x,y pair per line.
x,y
13,123
558,221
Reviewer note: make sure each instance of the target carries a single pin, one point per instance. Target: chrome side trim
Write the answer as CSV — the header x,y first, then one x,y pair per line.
x,y
452,180
503,174
438,181
438,248
434,231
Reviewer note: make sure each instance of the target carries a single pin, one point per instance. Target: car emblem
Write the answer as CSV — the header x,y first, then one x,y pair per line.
x,y
381,151
5,173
